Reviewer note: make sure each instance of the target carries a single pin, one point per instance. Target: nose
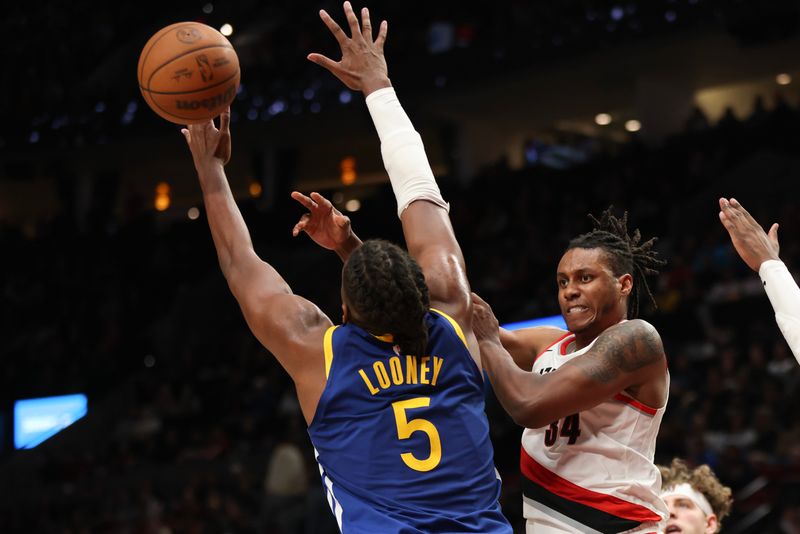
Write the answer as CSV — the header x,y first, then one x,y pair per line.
x,y
570,291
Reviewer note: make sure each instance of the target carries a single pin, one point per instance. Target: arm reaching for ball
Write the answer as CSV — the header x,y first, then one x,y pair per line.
x,y
759,250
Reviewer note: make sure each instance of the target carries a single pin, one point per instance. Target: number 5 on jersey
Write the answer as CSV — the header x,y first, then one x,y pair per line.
x,y
406,427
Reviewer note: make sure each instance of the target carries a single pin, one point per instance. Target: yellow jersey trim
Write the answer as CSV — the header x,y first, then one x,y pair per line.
x,y
455,326
327,345
386,338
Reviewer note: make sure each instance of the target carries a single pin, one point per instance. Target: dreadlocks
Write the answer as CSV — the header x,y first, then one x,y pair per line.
x,y
626,254
387,290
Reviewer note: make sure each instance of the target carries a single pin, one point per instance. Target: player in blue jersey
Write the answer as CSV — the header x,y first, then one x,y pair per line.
x,y
393,397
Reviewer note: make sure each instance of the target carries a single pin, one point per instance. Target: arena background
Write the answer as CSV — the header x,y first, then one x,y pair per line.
x,y
191,425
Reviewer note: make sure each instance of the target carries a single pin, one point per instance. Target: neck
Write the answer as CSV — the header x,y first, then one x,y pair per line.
x,y
584,339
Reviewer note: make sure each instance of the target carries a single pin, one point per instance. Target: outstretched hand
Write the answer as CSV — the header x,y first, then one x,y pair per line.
x,y
323,223
363,65
484,324
208,143
751,242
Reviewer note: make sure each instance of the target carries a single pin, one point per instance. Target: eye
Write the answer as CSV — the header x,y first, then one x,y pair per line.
x,y
586,278
562,282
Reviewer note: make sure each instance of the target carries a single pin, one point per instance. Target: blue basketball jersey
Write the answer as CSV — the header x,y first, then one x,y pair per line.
x,y
402,441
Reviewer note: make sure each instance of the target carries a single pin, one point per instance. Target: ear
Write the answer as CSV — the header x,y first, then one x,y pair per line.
x,y
712,524
345,313
626,284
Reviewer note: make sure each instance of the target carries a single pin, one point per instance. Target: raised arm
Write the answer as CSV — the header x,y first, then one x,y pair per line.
x,y
289,326
759,250
424,214
752,244
622,358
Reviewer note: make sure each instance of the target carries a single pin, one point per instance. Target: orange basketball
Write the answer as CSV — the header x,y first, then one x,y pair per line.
x,y
188,73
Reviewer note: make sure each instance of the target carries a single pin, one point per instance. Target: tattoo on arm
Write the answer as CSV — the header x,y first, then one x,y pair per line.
x,y
624,348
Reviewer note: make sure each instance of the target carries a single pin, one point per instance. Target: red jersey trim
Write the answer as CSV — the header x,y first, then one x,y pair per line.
x,y
553,344
635,404
562,350
553,483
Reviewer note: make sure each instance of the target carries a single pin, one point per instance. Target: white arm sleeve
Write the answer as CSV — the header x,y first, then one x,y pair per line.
x,y
784,295
403,152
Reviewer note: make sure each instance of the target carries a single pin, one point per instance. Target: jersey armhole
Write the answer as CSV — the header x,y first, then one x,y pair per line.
x,y
455,325
327,345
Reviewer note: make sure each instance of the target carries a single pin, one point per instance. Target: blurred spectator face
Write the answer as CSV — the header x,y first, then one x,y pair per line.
x,y
687,518
590,296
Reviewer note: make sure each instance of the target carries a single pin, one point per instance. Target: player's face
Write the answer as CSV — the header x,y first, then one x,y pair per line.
x,y
590,296
687,518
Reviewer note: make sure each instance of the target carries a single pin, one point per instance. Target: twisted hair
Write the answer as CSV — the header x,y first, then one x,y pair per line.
x,y
626,253
387,291
701,479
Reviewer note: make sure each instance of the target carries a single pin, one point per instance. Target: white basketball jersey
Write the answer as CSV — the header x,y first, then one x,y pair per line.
x,y
594,467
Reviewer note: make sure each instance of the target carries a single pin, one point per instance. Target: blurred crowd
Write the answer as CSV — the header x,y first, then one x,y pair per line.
x,y
194,427
74,85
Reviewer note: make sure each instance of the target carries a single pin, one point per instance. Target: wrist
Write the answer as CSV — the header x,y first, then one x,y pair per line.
x,y
770,264
489,342
209,166
781,288
348,246
370,85
769,260
209,173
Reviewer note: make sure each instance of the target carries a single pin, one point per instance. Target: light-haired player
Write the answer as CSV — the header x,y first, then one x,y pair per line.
x,y
697,500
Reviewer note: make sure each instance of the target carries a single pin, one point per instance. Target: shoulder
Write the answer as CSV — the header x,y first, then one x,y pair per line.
x,y
631,344
440,320
638,328
292,329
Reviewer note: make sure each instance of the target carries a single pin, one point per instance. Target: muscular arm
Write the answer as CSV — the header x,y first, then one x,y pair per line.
x,y
423,212
525,344
289,326
276,316
432,242
759,250
624,356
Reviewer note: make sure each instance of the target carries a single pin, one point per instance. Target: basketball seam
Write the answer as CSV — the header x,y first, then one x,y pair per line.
x,y
226,80
164,34
155,70
180,116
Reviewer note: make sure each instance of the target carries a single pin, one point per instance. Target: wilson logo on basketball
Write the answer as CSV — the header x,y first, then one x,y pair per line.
x,y
215,101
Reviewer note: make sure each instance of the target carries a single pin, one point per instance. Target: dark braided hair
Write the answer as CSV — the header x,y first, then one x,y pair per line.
x,y
387,291
626,254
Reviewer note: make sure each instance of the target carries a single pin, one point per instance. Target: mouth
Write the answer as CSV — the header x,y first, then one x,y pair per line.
x,y
673,528
577,309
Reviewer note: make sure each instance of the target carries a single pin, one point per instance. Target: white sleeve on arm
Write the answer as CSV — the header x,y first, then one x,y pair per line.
x,y
784,295
403,152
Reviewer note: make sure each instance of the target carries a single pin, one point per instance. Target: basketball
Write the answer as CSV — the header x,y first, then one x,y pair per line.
x,y
188,73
